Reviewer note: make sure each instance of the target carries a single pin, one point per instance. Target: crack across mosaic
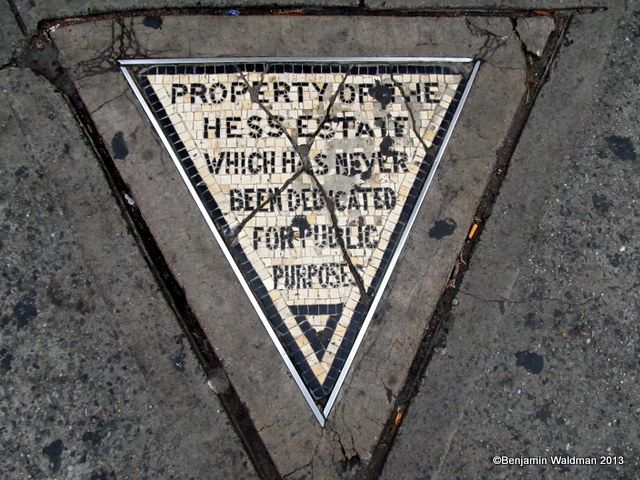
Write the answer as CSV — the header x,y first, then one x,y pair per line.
x,y
310,173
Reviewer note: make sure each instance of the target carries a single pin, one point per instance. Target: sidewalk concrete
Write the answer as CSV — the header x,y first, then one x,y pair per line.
x,y
11,37
253,365
483,4
34,11
541,357
97,380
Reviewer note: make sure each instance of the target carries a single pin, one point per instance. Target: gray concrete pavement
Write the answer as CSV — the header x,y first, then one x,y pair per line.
x,y
542,354
34,11
11,37
483,4
97,380
276,405
541,357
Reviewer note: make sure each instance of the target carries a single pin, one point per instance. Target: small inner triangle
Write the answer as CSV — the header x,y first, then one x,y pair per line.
x,y
317,325
309,174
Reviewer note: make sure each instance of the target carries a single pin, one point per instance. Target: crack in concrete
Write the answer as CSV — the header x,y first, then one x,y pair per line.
x,y
364,297
266,427
327,114
254,91
492,41
506,301
523,46
414,125
16,13
329,203
350,462
107,102
124,43
440,320
303,152
302,467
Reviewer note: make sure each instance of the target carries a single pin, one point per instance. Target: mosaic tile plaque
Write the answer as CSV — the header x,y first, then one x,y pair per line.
x,y
309,173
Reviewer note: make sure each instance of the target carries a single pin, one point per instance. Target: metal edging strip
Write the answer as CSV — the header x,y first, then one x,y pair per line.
x,y
124,63
198,61
401,242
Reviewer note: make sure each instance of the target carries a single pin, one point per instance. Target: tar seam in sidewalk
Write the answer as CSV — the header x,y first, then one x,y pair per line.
x,y
435,335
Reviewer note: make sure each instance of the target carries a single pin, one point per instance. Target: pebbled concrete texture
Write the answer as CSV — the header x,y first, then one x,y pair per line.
x,y
11,37
97,380
299,447
483,4
34,11
542,355
534,32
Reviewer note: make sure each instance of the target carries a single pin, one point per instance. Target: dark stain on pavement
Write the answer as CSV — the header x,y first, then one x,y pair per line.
x,y
53,451
5,361
152,21
442,228
544,414
386,146
93,437
382,93
349,465
615,260
21,173
178,360
300,222
119,146
368,173
600,203
103,475
622,147
25,310
530,361
532,322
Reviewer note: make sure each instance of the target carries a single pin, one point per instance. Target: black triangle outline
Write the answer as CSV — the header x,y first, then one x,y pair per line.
x,y
319,340
320,392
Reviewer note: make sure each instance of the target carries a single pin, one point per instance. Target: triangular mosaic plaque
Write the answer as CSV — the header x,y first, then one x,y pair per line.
x,y
309,173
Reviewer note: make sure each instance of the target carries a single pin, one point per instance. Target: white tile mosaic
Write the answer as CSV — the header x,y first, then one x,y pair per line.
x,y
310,173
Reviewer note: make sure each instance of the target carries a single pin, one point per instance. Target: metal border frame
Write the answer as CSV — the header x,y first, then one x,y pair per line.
x,y
124,66
200,61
